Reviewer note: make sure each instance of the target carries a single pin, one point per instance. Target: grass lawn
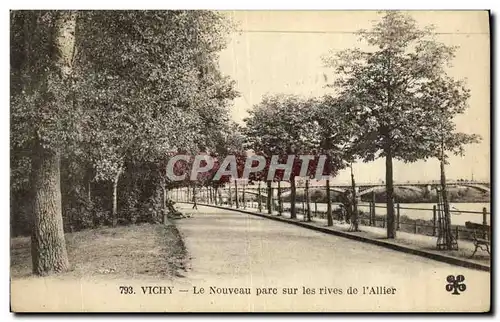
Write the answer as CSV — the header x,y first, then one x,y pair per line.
x,y
125,251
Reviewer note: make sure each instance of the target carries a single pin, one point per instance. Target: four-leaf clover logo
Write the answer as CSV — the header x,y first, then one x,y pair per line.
x,y
455,284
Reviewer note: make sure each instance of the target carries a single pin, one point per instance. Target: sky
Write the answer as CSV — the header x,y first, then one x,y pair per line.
x,y
281,51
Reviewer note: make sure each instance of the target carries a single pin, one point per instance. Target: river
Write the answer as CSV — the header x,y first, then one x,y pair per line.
x,y
423,210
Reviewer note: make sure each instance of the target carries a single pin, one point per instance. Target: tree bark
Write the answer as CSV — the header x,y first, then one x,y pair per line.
x,y
243,197
194,194
269,197
354,203
48,246
164,195
259,201
280,209
293,198
308,201
89,183
444,191
164,200
114,212
89,194
389,187
236,193
329,216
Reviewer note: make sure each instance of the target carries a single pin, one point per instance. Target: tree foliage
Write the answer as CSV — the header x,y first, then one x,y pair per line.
x,y
393,90
145,84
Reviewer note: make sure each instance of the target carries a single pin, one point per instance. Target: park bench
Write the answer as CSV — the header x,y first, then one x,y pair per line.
x,y
479,232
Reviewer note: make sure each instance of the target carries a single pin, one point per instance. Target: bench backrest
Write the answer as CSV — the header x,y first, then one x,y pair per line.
x,y
478,228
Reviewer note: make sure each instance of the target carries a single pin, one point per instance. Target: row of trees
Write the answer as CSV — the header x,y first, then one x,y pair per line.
x,y
99,99
393,100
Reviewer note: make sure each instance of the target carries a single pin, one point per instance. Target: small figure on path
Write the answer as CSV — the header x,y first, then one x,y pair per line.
x,y
347,203
195,206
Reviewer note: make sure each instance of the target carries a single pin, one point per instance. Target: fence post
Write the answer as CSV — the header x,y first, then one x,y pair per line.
x,y
434,220
485,222
315,208
416,228
383,223
397,218
456,233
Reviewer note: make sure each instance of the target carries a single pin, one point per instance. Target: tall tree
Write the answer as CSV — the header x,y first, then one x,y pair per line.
x,y
42,83
385,84
337,135
158,91
448,97
283,125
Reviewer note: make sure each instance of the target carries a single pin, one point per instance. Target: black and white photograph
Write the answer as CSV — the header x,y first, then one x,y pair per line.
x,y
250,161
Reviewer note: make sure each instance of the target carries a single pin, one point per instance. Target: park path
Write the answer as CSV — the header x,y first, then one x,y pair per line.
x,y
229,248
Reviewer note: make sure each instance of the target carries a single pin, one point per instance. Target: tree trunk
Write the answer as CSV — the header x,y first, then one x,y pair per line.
x,y
114,213
243,197
354,220
259,201
280,209
194,194
164,194
236,193
446,205
48,246
89,186
164,190
308,201
269,197
329,216
293,198
389,187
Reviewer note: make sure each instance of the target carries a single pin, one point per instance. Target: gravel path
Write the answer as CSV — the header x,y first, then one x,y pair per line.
x,y
229,248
